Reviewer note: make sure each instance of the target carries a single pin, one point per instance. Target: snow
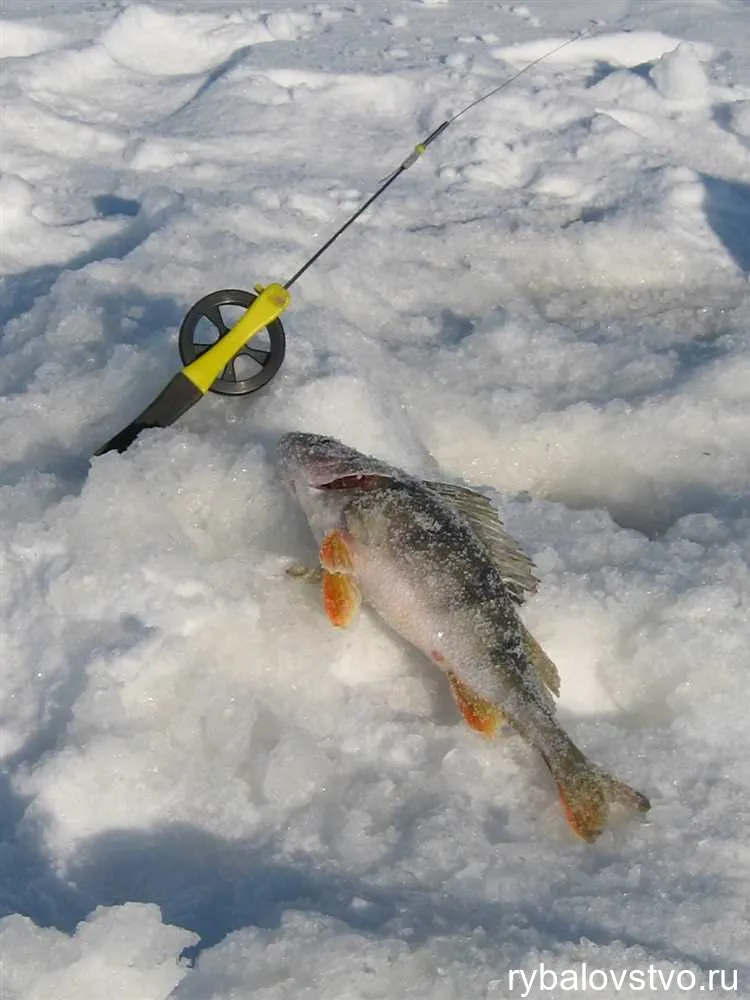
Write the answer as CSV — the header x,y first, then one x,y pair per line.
x,y
123,951
206,791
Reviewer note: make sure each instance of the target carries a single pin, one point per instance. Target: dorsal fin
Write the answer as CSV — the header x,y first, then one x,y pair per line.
x,y
546,669
515,567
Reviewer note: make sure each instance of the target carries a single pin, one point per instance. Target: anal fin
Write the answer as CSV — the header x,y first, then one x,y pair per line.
x,y
480,714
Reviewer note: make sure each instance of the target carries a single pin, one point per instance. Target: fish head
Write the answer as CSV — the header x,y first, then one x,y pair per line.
x,y
317,460
324,475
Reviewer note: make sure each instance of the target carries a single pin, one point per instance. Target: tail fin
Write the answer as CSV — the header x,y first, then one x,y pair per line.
x,y
587,793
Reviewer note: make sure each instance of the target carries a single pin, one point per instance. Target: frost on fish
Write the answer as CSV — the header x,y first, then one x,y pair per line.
x,y
434,561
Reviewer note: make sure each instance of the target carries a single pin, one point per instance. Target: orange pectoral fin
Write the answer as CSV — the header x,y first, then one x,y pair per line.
x,y
341,598
334,553
479,713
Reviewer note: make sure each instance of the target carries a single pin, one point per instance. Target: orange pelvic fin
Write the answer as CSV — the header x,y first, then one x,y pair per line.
x,y
341,598
479,713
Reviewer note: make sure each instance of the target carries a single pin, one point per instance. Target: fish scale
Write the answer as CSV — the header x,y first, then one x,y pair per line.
x,y
437,566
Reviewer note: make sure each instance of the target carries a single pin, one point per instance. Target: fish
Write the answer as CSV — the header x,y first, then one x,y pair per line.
x,y
435,563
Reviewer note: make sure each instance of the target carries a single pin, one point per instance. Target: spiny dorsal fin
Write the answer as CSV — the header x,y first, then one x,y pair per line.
x,y
514,565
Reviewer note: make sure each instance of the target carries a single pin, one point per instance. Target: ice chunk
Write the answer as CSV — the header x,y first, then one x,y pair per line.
x,y
679,76
120,952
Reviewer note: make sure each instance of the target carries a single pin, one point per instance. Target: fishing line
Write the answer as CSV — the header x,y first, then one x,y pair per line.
x,y
213,365
421,147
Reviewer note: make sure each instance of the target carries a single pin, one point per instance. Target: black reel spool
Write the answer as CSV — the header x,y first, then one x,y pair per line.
x,y
253,366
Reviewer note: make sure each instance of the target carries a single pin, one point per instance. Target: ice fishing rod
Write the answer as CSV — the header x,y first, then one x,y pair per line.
x,y
214,361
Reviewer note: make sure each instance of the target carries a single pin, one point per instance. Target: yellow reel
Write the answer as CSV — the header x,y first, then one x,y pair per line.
x,y
216,362
210,344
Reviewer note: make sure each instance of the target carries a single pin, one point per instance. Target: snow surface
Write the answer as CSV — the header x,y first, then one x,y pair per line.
x,y
206,791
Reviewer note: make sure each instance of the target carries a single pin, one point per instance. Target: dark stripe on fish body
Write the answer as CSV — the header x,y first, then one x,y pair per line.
x,y
356,482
